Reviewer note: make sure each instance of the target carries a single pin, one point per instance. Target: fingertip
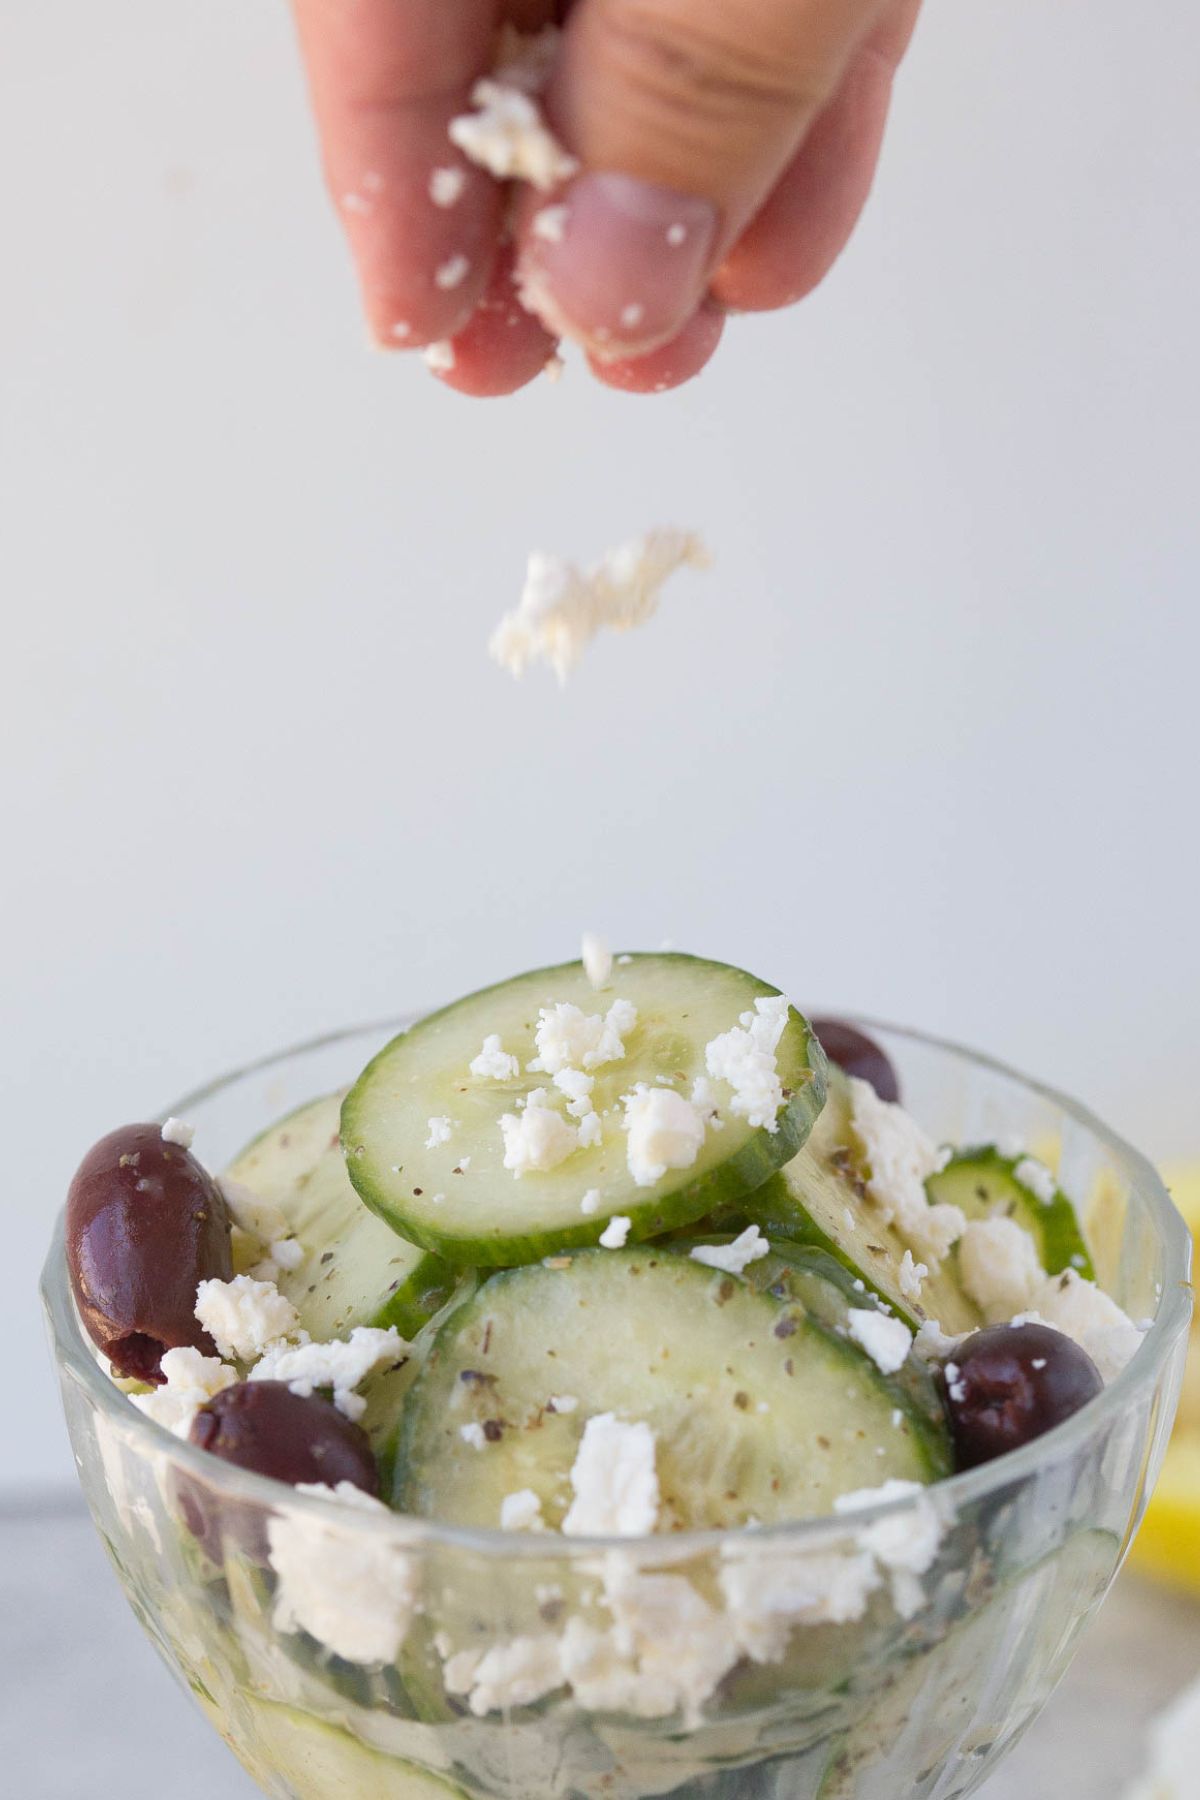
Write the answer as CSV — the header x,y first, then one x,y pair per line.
x,y
502,347
672,364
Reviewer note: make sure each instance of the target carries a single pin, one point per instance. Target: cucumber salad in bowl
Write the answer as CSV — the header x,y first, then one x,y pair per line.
x,y
614,1389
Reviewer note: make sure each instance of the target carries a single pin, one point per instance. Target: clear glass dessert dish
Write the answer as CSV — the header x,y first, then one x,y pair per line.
x,y
897,1651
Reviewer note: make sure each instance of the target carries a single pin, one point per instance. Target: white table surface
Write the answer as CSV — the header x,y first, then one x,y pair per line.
x,y
86,1708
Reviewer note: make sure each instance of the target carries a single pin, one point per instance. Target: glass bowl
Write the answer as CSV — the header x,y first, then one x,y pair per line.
x,y
351,1653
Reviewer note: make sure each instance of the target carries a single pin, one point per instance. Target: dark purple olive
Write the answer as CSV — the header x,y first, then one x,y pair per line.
x,y
146,1223
1007,1385
857,1054
262,1425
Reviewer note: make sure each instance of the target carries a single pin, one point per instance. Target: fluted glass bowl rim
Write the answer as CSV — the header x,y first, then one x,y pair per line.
x,y
76,1356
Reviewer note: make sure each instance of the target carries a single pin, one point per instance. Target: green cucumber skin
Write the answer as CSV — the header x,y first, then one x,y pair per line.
x,y
802,1065
1054,1225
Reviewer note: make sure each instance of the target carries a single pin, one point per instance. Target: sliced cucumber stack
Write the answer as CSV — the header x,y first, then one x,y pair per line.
x,y
317,1760
355,1270
759,1412
987,1185
820,1199
426,1147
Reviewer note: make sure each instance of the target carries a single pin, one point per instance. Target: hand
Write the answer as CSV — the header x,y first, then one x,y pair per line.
x,y
726,149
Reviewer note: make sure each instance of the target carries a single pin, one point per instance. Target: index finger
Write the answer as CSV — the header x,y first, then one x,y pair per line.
x,y
386,77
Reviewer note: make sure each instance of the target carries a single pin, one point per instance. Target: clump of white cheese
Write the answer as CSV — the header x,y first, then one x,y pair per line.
x,y
1083,1311
999,1267
734,1258
353,1590
341,1365
190,1381
506,134
568,1038
494,1063
538,1137
901,1159
563,606
614,1480
665,1131
245,1317
745,1058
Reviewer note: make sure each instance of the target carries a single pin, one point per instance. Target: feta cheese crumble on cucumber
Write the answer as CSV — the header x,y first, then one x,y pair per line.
x,y
739,1074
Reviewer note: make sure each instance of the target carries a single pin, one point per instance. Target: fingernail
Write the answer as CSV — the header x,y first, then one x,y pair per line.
x,y
625,266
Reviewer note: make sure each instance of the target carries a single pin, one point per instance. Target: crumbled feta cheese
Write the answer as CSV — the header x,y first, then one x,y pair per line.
x,y
1035,1176
614,1481
568,1038
767,1594
177,1131
677,1643
733,1258
190,1381
352,1590
1081,1310
340,1365
452,273
494,1062
287,1253
578,1088
446,186
597,959
616,1232
516,1673
901,1158
507,135
474,1435
591,1130
932,1343
521,1511
439,356
905,1544
886,1341
956,1387
260,1220
590,1203
1174,1752
550,224
563,1403
745,1058
537,1138
999,1267
439,1132
912,1275
563,606
665,1131
245,1317
704,1099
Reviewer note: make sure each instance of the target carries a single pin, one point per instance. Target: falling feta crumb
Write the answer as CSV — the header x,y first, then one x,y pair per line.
x,y
568,1038
340,1366
999,1267
563,606
550,224
474,1435
615,1232
1035,1176
521,1511
244,1317
189,1381
494,1062
452,273
734,1258
912,1275
886,1341
614,1481
590,1203
177,1131
439,356
901,1159
597,959
745,1058
446,186
439,1132
665,1131
538,1138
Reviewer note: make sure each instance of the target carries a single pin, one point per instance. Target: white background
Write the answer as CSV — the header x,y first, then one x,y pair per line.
x,y
923,743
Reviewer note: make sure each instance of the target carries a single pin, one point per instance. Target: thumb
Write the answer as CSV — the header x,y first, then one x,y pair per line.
x,y
684,113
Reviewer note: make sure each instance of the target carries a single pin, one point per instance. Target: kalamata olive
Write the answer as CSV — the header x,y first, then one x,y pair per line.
x,y
857,1054
146,1223
262,1425
1008,1384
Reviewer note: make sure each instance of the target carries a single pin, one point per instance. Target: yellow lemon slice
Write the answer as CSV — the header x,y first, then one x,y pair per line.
x,y
1168,1545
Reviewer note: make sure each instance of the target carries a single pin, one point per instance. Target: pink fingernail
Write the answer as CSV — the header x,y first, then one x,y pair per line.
x,y
628,267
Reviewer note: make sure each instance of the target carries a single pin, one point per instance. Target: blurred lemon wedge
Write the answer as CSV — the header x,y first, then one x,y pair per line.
x,y
1168,1545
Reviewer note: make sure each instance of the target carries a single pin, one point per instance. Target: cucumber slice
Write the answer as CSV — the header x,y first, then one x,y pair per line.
x,y
355,1270
799,1275
458,1199
820,1199
985,1185
758,1412
316,1761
